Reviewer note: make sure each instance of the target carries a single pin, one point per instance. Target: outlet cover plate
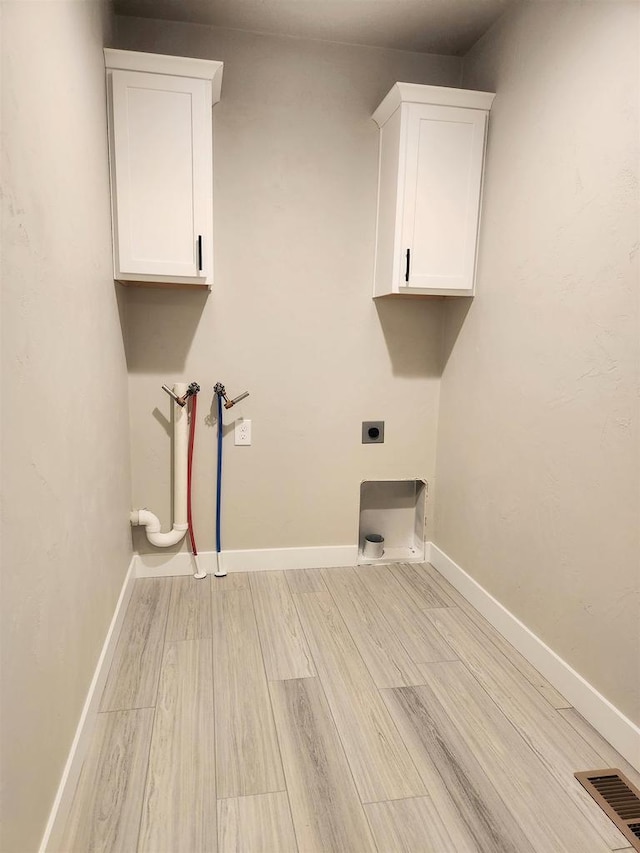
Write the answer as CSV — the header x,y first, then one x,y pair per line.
x,y
242,432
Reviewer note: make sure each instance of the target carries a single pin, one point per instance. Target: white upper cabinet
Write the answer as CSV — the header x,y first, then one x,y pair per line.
x,y
432,142
161,154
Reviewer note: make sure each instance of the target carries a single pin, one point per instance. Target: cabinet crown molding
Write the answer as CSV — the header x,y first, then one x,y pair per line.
x,y
175,66
417,93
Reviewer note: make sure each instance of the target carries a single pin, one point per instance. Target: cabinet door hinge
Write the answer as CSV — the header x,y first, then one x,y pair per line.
x,y
406,272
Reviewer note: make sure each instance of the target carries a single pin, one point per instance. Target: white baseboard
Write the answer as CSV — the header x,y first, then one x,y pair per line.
x,y
167,565
394,555
64,796
621,732
258,560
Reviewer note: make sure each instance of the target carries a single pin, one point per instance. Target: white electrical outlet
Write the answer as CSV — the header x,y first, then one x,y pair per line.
x,y
242,432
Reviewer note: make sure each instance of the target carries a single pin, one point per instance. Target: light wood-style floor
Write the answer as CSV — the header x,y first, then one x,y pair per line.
x,y
350,710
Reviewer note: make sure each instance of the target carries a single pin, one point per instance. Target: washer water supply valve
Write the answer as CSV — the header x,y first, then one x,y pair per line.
x,y
219,389
192,390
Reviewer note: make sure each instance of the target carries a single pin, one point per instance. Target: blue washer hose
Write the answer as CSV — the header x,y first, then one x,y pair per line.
x,y
219,482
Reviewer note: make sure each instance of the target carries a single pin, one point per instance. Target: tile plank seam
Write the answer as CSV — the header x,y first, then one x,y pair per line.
x,y
153,724
114,759
193,605
260,822
493,635
289,574
379,618
146,778
214,725
215,722
117,660
537,736
522,736
439,633
496,644
164,632
533,767
273,716
326,698
412,589
416,663
183,727
476,799
391,631
135,708
423,826
498,650
248,796
609,757
252,618
312,743
370,825
324,693
375,687
283,587
155,696
395,583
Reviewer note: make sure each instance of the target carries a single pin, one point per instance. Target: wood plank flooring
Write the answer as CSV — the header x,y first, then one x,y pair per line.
x,y
547,733
133,677
106,810
384,655
380,762
180,798
330,711
261,823
324,801
247,755
285,650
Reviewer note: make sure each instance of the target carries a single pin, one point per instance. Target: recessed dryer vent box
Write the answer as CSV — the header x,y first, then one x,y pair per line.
x,y
396,510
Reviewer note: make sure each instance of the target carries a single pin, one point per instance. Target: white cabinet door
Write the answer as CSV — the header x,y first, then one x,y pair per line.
x,y
440,209
161,157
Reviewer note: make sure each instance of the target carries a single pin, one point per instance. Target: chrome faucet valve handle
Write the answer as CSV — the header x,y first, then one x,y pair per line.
x,y
219,389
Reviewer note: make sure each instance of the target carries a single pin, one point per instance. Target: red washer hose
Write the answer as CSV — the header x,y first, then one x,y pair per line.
x,y
192,435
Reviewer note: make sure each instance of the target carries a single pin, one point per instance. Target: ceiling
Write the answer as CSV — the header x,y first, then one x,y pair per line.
x,y
427,26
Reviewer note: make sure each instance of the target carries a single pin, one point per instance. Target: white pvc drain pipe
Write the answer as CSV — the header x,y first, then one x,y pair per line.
x,y
145,518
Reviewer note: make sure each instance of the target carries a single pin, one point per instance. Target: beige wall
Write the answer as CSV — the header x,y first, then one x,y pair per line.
x,y
538,452
290,317
65,454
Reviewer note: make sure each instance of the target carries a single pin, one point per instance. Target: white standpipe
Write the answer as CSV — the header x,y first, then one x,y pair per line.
x,y
220,571
148,520
199,573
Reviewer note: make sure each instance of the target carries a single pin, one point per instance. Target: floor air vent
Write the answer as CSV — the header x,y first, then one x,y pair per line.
x,y
617,797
